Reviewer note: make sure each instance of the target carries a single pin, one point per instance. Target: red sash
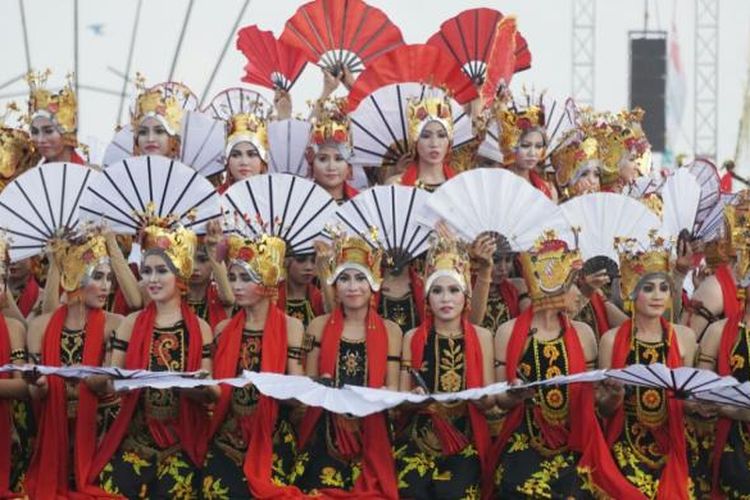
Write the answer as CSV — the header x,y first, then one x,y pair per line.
x,y
411,174
378,477
29,296
674,476
6,416
732,304
474,378
600,313
538,182
216,311
584,436
349,191
313,296
49,468
509,294
76,158
192,420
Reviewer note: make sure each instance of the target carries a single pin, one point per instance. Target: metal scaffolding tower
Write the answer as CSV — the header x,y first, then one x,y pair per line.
x,y
706,78
583,51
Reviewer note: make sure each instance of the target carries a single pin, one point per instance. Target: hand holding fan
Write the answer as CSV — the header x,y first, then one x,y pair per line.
x,y
271,63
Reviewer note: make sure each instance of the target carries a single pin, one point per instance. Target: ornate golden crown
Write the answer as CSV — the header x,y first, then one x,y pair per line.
x,y
514,122
637,262
167,102
61,107
353,252
16,150
247,127
177,242
548,269
448,257
332,123
429,109
568,159
76,258
262,257
737,227
618,135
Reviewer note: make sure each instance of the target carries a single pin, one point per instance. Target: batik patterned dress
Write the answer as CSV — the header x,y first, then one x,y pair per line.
x,y
402,311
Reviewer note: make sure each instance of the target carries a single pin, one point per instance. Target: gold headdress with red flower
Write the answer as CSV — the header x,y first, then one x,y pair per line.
x,y
737,231
548,269
420,112
332,124
60,107
177,242
637,262
77,256
354,252
620,134
248,127
261,257
167,102
16,150
513,121
574,154
448,257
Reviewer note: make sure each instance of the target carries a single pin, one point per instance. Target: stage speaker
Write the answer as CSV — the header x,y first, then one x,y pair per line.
x,y
648,82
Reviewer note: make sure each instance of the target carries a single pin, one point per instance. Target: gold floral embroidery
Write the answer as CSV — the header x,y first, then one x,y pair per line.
x,y
451,367
352,362
331,477
538,485
737,362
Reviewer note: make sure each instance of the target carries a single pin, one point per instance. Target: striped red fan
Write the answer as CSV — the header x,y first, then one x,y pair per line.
x,y
416,64
341,33
271,63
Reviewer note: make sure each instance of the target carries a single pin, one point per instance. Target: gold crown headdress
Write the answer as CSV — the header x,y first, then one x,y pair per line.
x,y
569,159
420,112
167,102
332,124
77,256
637,262
548,269
514,121
177,242
355,252
262,257
448,257
737,231
16,150
60,107
248,127
620,134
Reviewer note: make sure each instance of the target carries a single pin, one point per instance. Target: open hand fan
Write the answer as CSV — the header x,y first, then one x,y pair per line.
x,y
684,381
413,63
121,146
707,176
391,210
496,200
287,144
339,34
713,224
121,194
734,395
472,39
380,126
236,100
202,143
271,63
287,206
40,205
681,195
603,216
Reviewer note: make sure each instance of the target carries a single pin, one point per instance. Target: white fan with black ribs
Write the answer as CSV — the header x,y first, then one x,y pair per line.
x,y
713,224
682,196
120,147
391,211
602,217
282,205
735,394
287,144
683,382
40,205
379,125
494,200
121,194
707,176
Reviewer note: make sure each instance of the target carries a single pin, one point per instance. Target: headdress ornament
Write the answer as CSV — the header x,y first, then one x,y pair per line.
x,y
448,257
638,260
16,150
77,255
332,125
358,253
620,134
737,231
166,234
429,109
574,154
167,102
514,120
262,257
246,114
60,107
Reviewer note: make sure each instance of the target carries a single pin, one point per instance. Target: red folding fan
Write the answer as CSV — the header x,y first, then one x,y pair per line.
x,y
413,63
271,63
469,38
341,33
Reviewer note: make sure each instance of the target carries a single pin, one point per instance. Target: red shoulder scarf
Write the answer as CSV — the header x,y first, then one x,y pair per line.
x,y
474,378
538,182
216,311
313,295
258,427
674,476
584,436
378,477
28,297
732,305
411,174
192,420
49,468
600,313
509,294
6,416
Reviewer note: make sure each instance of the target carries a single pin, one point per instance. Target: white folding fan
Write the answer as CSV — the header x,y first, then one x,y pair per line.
x,y
122,193
683,382
494,200
287,143
42,204
713,224
681,195
737,394
379,125
706,175
232,101
282,205
390,210
120,147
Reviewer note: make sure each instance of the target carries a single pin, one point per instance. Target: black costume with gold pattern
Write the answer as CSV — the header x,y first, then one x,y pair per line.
x,y
531,466
402,311
424,471
320,465
496,314
301,309
223,477
140,460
